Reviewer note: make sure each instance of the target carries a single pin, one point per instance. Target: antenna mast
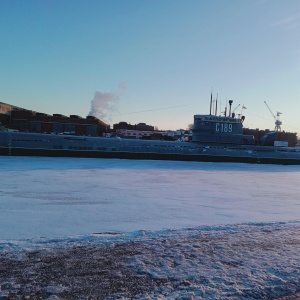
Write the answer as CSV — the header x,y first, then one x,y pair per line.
x,y
216,111
210,102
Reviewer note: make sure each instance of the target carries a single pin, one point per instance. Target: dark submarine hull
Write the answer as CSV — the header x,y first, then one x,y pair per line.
x,y
12,144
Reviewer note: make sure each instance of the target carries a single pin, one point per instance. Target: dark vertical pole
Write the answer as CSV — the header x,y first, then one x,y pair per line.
x,y
210,103
230,103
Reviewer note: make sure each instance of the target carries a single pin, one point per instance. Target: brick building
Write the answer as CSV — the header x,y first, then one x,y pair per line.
x,y
290,137
28,120
139,126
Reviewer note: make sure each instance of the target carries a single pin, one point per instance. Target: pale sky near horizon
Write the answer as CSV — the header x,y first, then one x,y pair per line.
x,y
153,61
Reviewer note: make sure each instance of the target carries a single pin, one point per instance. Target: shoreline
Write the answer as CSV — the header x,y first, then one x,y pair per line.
x,y
241,262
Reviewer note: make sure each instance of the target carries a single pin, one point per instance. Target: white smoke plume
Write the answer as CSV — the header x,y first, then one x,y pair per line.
x,y
104,104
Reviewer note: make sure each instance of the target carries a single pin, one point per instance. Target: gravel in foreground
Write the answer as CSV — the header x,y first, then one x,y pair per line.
x,y
241,262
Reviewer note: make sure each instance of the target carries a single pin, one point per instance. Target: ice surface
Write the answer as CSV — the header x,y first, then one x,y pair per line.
x,y
127,229
57,197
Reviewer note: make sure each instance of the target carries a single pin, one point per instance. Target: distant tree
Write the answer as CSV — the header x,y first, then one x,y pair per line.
x,y
190,126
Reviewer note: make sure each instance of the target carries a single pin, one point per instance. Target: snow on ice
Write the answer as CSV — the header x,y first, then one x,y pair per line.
x,y
167,230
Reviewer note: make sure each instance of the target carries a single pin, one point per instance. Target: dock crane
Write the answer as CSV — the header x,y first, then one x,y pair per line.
x,y
277,121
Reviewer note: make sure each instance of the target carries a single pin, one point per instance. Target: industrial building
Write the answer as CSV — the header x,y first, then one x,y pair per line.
x,y
289,137
27,120
139,126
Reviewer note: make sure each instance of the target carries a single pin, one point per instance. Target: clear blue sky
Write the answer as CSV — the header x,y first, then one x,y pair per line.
x,y
160,58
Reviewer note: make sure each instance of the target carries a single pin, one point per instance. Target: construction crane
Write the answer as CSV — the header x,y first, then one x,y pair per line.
x,y
278,123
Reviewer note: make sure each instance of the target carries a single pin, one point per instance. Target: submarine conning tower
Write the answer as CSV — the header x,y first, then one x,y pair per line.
x,y
220,129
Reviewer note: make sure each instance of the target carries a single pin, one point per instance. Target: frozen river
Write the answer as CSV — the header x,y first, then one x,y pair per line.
x,y
58,197
126,229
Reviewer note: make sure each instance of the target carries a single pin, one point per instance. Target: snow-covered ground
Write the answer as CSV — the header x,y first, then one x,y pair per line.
x,y
203,230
